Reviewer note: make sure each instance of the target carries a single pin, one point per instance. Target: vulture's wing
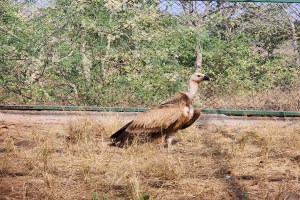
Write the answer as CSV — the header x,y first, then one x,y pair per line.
x,y
178,99
196,115
156,120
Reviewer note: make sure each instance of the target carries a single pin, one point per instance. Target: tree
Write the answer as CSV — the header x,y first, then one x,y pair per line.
x,y
136,53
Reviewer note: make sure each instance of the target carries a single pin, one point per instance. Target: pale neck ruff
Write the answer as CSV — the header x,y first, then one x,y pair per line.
x,y
193,87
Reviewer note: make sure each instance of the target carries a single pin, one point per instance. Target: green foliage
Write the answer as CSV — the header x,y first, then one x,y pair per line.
x,y
111,53
95,196
145,197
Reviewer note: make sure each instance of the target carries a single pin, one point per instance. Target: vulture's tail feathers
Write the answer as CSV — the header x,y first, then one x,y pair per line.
x,y
119,136
119,132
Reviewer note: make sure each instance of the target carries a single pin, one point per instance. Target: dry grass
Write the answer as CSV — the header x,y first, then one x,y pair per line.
x,y
74,162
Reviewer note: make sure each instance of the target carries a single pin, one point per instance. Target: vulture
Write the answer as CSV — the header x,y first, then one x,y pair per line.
x,y
161,123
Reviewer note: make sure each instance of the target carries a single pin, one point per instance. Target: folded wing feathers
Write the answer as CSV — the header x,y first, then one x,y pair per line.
x,y
178,99
155,120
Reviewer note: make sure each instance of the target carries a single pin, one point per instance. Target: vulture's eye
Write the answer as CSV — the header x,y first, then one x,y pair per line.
x,y
198,75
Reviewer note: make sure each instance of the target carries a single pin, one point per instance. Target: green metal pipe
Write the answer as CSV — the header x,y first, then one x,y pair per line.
x,y
118,109
72,108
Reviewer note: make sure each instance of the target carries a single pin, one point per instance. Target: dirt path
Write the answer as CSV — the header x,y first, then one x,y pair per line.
x,y
63,117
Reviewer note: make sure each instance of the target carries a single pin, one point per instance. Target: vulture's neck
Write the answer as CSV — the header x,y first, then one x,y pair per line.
x,y
193,87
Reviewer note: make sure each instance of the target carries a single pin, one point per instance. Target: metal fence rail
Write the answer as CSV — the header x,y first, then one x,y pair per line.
x,y
117,109
138,53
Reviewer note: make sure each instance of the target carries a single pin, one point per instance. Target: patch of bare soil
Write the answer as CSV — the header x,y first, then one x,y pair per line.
x,y
73,161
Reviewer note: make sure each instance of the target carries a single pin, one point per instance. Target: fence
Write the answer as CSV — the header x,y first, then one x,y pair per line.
x,y
138,53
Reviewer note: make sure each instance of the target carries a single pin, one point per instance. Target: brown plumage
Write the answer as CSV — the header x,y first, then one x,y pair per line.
x,y
164,121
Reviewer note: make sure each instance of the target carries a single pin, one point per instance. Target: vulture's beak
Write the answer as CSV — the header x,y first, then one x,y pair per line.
x,y
206,78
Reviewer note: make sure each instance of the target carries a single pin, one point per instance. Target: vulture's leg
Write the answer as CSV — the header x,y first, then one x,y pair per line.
x,y
162,143
194,118
162,146
169,139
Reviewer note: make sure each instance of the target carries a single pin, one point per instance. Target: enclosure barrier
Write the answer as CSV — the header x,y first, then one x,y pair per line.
x,y
125,54
118,109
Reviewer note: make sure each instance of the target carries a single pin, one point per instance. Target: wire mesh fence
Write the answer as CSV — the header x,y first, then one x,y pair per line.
x,y
139,53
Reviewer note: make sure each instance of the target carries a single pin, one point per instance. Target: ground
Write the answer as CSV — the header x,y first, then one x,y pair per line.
x,y
73,161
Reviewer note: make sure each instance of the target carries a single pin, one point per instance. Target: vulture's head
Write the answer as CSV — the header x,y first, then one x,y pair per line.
x,y
198,77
